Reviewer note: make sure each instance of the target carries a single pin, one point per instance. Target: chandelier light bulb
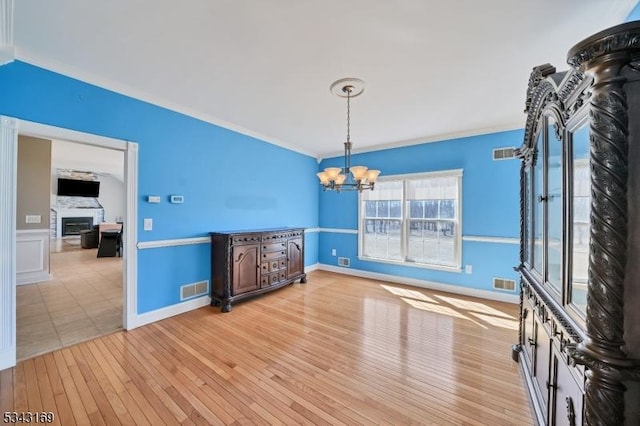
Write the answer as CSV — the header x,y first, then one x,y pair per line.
x,y
332,172
358,172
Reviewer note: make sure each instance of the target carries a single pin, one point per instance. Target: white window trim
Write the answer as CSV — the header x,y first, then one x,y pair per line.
x,y
457,173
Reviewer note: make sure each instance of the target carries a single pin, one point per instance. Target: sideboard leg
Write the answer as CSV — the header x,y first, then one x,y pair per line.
x,y
226,307
303,279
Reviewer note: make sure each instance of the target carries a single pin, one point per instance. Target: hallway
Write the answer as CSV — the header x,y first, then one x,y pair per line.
x,y
83,300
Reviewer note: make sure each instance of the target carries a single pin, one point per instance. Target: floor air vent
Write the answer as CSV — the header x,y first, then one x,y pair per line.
x,y
504,153
344,261
504,284
188,291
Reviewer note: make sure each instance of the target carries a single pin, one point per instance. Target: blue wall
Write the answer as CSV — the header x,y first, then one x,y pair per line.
x,y
490,206
214,168
634,15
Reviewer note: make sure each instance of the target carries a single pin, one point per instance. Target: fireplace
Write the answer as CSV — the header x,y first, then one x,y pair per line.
x,y
73,225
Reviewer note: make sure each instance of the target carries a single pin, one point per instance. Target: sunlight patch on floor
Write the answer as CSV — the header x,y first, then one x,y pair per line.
x,y
406,293
477,312
473,306
497,322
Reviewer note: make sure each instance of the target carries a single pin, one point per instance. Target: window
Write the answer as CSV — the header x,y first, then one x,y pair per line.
x,y
413,219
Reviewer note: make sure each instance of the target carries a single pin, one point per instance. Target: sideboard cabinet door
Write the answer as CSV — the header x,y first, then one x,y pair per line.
x,y
245,275
295,264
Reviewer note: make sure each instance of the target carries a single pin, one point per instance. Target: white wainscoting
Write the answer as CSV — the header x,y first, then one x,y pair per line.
x,y
32,256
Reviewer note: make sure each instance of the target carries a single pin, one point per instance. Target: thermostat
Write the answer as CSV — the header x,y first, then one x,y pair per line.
x,y
177,199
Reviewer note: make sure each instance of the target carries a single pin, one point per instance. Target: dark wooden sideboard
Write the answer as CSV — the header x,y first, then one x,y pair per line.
x,y
251,262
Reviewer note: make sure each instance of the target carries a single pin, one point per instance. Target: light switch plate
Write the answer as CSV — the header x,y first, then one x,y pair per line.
x,y
153,198
148,224
176,199
33,218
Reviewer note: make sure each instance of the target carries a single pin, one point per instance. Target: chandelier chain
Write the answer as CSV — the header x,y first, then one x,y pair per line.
x,y
348,114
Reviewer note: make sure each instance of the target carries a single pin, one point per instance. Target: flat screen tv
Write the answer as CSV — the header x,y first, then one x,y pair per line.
x,y
78,188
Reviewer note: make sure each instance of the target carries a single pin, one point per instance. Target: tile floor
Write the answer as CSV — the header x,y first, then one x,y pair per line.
x,y
83,300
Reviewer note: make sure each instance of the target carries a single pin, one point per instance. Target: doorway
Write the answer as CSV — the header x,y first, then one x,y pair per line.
x,y
9,130
81,296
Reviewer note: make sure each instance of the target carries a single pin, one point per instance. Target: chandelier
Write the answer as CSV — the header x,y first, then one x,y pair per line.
x,y
338,178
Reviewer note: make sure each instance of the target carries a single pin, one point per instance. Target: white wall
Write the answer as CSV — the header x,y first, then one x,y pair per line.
x,y
112,198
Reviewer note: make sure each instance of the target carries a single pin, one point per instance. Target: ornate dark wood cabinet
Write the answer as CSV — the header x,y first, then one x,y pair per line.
x,y
579,337
248,263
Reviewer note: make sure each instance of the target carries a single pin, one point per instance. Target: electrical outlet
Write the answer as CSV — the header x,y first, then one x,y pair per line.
x,y
333,252
148,224
468,269
33,218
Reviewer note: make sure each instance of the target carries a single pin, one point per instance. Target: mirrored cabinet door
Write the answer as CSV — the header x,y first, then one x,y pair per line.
x,y
528,216
538,199
554,207
580,221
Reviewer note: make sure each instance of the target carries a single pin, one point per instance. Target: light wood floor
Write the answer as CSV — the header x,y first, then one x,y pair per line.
x,y
337,350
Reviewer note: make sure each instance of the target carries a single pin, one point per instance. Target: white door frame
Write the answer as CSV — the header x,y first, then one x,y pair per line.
x,y
9,130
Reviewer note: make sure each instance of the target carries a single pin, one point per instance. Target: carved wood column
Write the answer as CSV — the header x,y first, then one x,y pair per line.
x,y
603,56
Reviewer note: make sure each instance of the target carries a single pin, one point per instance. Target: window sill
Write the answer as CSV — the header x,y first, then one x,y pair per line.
x,y
453,269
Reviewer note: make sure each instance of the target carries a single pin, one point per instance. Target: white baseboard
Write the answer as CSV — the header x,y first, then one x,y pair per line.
x,y
169,311
432,285
180,308
33,277
313,267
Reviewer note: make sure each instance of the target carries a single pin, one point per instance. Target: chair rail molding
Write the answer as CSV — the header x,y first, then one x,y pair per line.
x,y
8,161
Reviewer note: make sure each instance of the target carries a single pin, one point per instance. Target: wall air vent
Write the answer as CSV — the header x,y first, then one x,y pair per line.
x,y
504,284
201,288
504,153
344,261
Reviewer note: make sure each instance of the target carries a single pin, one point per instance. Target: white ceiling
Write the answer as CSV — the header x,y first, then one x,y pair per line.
x,y
80,157
434,69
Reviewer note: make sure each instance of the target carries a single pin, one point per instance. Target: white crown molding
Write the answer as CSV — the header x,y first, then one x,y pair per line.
x,y
26,56
34,59
443,137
